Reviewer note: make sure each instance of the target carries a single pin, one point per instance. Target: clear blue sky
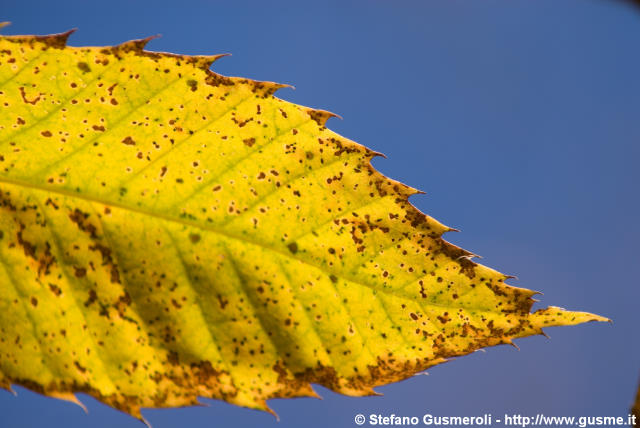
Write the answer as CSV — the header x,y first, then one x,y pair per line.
x,y
521,121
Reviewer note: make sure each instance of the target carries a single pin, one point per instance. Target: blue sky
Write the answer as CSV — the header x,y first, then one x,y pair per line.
x,y
520,120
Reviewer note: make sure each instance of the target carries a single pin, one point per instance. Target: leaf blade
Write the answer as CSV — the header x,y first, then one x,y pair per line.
x,y
168,199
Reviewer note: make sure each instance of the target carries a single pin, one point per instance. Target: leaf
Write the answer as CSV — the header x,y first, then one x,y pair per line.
x,y
167,233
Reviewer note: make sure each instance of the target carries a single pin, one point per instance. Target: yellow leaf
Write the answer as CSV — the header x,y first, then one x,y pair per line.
x,y
167,233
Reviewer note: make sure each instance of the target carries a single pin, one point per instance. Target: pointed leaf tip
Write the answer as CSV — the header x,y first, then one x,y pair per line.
x,y
555,316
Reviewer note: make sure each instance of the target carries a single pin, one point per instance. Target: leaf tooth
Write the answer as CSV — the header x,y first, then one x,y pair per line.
x,y
304,390
57,41
373,154
367,391
135,45
270,410
320,116
129,404
264,88
135,412
455,252
143,420
410,191
204,61
5,384
70,397
524,291
313,393
354,390
385,184
262,405
199,403
434,225
404,191
509,341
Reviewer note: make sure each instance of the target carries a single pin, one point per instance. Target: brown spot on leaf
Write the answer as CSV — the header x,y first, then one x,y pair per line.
x,y
93,296
80,219
204,372
24,97
107,260
55,289
84,67
29,248
223,302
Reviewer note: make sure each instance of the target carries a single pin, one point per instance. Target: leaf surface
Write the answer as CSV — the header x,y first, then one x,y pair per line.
x,y
167,233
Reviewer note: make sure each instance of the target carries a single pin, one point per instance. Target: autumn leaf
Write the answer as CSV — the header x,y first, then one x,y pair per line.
x,y
167,233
